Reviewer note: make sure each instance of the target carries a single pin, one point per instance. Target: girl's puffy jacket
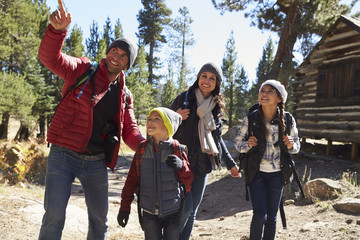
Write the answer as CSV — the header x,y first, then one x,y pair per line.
x,y
72,124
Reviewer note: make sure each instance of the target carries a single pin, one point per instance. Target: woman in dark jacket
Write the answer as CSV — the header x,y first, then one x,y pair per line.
x,y
267,143
201,108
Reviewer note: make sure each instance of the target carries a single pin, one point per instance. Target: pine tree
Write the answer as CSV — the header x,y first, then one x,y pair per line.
x,y
23,25
229,69
16,98
181,39
169,90
240,95
152,20
108,33
293,20
262,70
118,31
92,42
73,43
101,53
137,82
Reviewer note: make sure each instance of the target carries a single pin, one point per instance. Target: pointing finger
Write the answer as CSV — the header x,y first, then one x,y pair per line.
x,y
61,5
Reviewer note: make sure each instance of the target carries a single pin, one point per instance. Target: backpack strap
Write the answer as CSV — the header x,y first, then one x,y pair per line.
x,y
89,73
186,103
85,78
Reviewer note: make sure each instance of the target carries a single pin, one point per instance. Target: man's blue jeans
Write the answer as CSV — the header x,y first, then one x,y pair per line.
x,y
191,206
154,226
265,192
63,165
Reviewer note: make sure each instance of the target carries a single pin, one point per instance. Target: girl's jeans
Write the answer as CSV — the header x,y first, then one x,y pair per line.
x,y
63,165
265,192
192,203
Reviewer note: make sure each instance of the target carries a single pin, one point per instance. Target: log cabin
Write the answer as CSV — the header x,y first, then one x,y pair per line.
x,y
327,87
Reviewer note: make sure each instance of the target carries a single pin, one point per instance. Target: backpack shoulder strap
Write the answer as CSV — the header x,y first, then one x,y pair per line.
x,y
177,148
251,119
139,155
80,80
288,122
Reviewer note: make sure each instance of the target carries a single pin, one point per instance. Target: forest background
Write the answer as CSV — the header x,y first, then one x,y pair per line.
x,y
30,93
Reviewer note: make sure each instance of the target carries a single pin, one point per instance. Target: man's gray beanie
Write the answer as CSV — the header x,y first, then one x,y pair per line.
x,y
128,46
211,67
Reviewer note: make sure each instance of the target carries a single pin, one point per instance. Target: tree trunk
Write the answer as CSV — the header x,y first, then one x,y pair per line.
x,y
283,47
22,134
151,62
41,127
4,125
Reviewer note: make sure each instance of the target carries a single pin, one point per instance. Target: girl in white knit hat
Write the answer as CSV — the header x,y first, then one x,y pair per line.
x,y
268,135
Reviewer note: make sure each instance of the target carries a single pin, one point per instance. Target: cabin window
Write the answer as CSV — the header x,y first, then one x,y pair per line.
x,y
338,82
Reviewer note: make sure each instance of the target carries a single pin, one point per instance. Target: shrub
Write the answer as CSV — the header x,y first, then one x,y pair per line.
x,y
22,164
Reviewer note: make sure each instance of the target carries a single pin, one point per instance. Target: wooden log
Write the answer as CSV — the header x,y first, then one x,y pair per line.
x,y
340,137
335,117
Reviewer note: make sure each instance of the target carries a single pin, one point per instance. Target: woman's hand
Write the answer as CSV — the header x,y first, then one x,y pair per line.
x,y
234,171
289,141
59,19
184,113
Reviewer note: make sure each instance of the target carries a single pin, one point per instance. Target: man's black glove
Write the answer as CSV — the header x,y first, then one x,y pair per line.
x,y
174,162
123,218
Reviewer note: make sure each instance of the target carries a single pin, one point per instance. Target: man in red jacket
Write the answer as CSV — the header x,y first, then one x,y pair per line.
x,y
86,128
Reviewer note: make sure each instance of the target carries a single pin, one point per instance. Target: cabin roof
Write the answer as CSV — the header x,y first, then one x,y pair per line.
x,y
352,22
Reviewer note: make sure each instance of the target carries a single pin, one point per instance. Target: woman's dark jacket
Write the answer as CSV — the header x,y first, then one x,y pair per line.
x,y
188,135
256,153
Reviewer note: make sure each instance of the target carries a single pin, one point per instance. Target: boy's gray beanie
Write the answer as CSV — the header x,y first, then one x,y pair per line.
x,y
172,119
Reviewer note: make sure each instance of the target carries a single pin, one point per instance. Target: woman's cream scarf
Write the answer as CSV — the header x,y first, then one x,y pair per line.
x,y
206,123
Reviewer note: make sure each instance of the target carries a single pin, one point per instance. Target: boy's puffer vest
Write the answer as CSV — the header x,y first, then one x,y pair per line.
x,y
158,183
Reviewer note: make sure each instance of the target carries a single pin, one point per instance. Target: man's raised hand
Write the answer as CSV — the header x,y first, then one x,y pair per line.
x,y
59,19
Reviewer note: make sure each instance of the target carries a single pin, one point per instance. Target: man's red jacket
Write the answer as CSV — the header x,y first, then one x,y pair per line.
x,y
71,126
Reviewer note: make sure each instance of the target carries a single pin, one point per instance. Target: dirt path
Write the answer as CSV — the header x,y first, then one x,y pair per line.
x,y
224,213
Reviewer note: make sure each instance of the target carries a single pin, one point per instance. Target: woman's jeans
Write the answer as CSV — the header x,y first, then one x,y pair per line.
x,y
63,165
192,203
156,227
265,192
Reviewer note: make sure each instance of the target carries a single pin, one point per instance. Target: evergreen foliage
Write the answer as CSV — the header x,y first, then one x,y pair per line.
x,y
17,96
293,20
169,90
118,31
235,83
141,90
152,20
181,39
73,43
262,70
92,42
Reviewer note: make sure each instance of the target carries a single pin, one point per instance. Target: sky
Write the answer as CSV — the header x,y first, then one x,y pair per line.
x,y
211,29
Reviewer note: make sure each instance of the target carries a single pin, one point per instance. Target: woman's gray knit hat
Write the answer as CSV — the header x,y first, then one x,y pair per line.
x,y
211,67
128,46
